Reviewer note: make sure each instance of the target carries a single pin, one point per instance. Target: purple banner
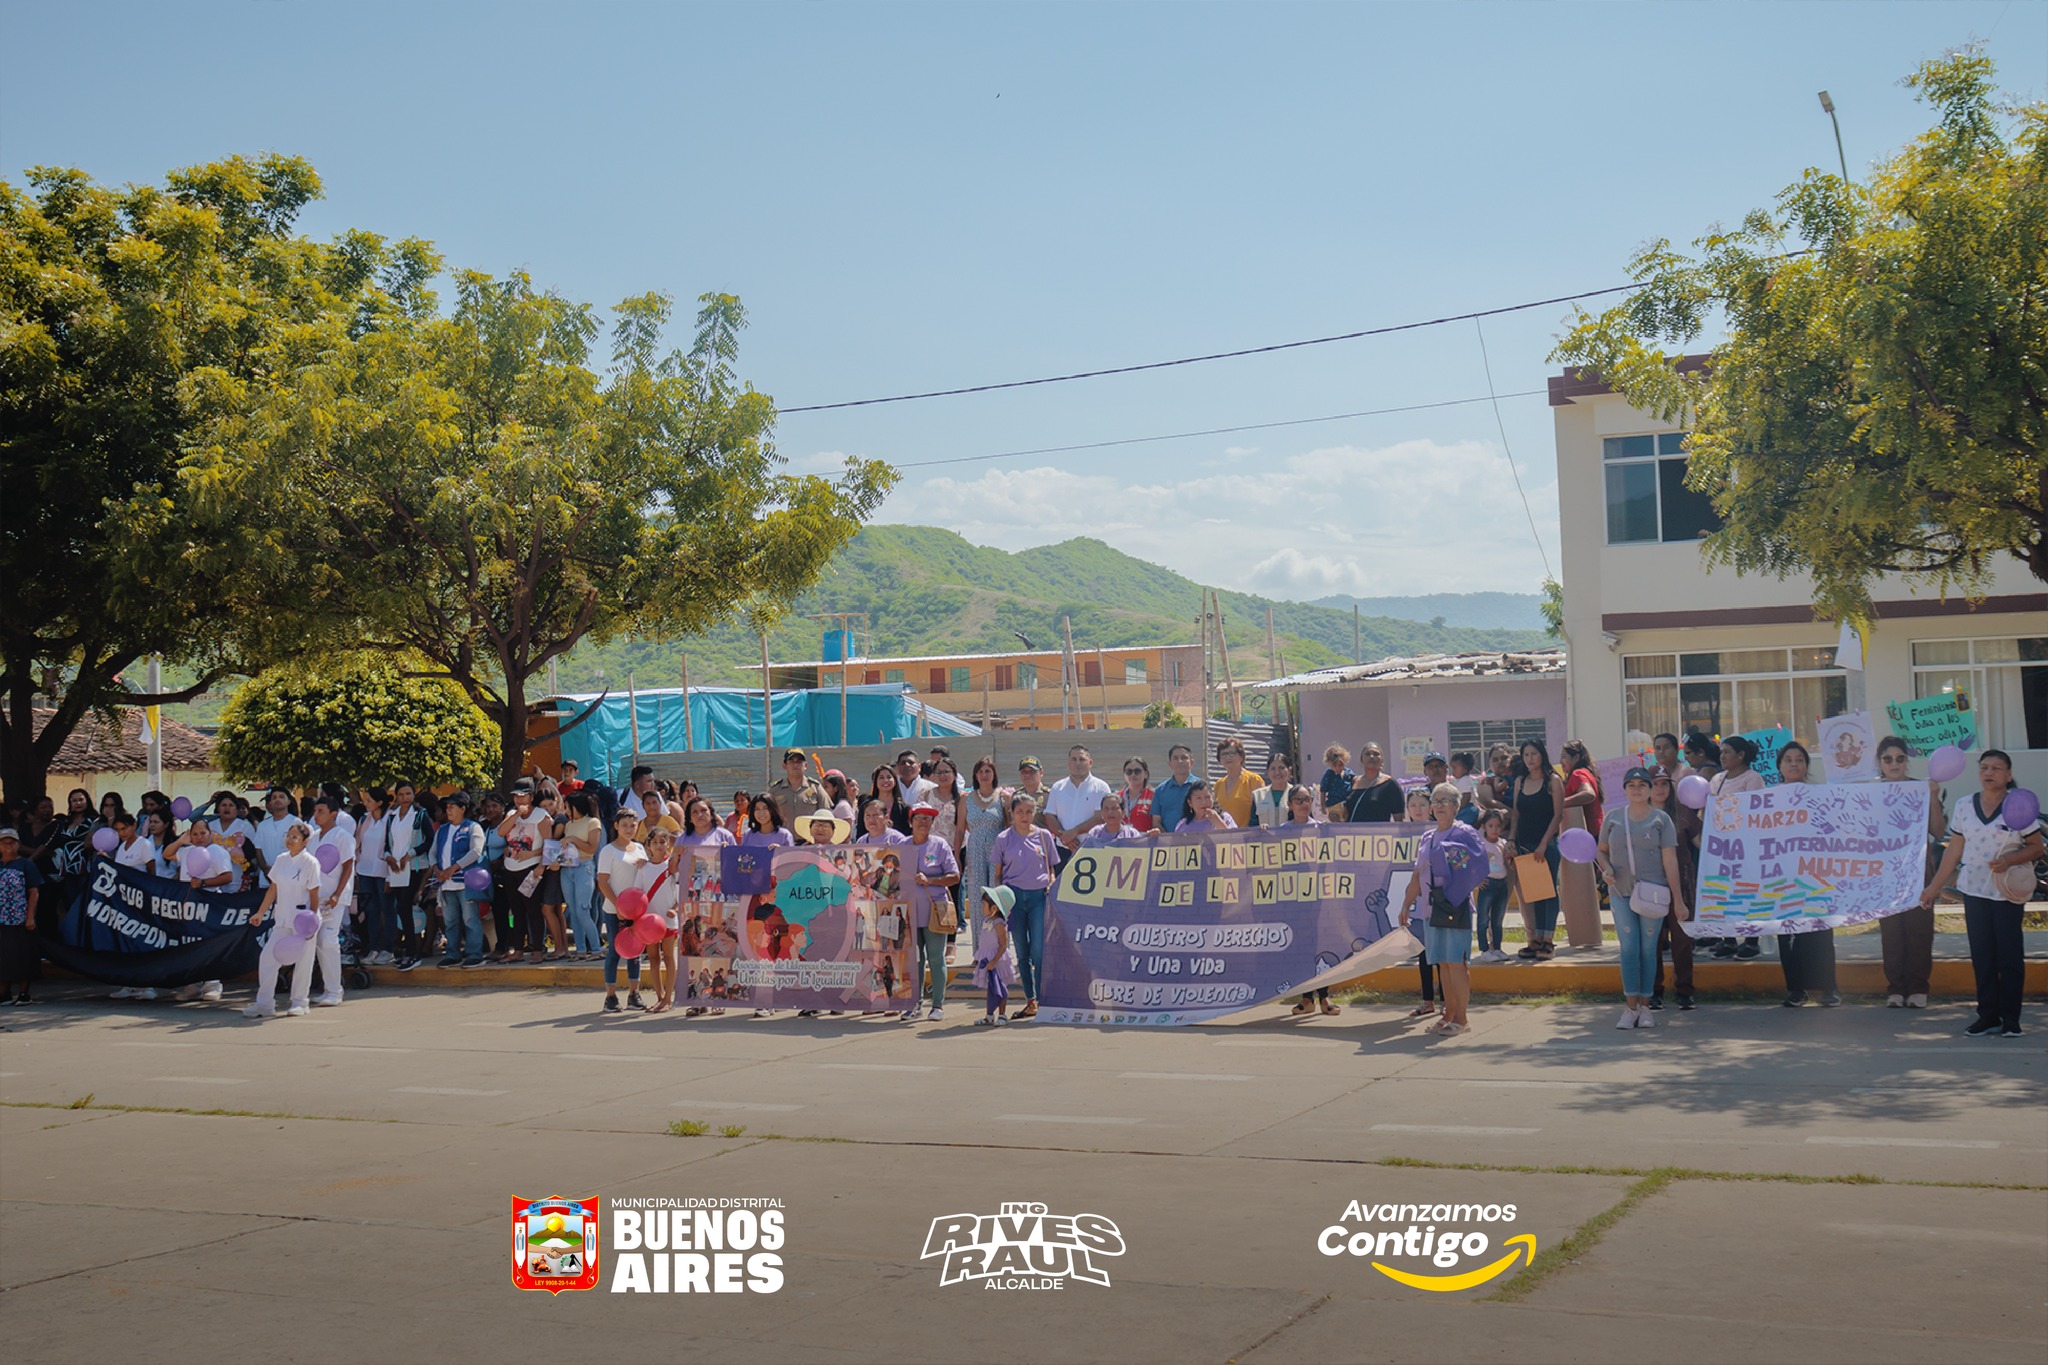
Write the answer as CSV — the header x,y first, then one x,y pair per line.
x,y
1184,928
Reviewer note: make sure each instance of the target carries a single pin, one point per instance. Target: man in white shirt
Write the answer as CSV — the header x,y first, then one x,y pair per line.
x,y
270,829
1074,805
337,892
916,788
405,831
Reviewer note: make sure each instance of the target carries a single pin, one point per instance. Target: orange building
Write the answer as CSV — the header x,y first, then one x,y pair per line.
x,y
1022,689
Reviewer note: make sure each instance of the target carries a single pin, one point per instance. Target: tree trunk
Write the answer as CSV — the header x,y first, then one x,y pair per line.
x,y
512,730
21,776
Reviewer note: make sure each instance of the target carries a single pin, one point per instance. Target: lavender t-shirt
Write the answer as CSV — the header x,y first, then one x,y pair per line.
x,y
934,858
1026,858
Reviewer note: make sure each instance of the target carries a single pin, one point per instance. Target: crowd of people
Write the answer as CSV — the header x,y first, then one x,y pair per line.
x,y
535,874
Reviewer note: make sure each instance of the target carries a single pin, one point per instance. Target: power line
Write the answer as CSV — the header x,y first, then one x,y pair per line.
x,y
1218,431
1218,355
1480,328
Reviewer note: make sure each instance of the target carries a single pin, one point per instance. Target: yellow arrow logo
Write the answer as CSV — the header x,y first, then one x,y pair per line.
x,y
1447,1284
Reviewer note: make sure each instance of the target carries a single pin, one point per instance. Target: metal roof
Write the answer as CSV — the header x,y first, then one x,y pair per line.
x,y
1422,668
1050,651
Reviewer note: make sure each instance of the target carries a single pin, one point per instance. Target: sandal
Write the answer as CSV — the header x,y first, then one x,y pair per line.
x,y
1305,1007
1422,1011
1329,1008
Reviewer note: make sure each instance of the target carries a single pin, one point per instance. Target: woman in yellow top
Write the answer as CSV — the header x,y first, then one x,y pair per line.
x,y
1236,790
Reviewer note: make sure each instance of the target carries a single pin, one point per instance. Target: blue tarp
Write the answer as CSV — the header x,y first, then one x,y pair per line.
x,y
732,718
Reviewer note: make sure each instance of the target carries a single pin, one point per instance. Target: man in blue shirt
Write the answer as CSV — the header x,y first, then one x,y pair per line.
x,y
1170,798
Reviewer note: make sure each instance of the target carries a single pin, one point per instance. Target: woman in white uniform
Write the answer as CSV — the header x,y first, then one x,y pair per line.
x,y
294,886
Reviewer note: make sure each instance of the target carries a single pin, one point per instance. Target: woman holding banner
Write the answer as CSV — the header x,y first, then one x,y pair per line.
x,y
1808,959
1737,775
1908,937
1995,839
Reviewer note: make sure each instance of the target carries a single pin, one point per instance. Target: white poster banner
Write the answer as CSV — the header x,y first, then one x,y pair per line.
x,y
1793,857
1848,749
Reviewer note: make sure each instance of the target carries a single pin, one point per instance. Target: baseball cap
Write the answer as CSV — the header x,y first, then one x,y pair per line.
x,y
16,834
924,808
794,755
1434,757
1643,775
1029,761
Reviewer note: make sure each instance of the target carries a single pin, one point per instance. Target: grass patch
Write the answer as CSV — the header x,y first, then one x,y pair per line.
x,y
1582,1240
688,1128
733,1130
82,1102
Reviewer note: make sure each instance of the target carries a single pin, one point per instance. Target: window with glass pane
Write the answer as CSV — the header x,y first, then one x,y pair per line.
x,y
961,680
894,675
1631,503
1698,665
1649,666
1933,682
1652,707
1763,703
1134,673
1628,447
1027,675
1671,443
1753,661
1813,660
1702,705
1927,652
1686,515
1813,701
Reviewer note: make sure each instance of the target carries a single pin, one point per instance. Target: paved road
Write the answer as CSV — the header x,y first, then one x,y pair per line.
x,y
355,1203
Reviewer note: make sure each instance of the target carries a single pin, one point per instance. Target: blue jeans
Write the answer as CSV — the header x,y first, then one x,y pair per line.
x,y
579,892
375,905
463,923
611,955
1027,929
1638,946
1493,910
1544,912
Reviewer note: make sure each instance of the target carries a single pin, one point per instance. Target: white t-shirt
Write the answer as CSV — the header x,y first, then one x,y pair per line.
x,y
369,847
918,789
401,833
522,846
620,867
664,901
138,853
343,842
270,836
295,875
232,834
1982,843
1075,804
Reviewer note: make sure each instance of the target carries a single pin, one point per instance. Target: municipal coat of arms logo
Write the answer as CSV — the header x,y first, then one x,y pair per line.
x,y
554,1243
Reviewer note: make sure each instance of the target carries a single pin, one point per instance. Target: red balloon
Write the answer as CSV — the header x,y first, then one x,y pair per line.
x,y
627,943
650,929
632,903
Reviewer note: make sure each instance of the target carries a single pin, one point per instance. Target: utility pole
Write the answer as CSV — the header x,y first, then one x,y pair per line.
x,y
1102,682
1070,692
689,744
1357,653
1223,641
1272,649
767,719
633,713
1202,624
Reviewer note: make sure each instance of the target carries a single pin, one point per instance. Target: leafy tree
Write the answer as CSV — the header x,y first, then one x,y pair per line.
x,y
1163,715
126,318
1552,607
1880,402
465,489
361,720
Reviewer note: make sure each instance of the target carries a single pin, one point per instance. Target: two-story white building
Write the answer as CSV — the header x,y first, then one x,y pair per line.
x,y
1659,642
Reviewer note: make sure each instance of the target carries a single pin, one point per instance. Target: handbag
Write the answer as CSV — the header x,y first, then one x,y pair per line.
x,y
1647,899
943,918
1444,915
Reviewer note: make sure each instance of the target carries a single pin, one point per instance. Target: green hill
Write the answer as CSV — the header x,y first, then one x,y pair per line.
x,y
928,590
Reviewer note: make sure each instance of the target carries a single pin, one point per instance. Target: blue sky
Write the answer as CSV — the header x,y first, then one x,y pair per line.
x,y
929,196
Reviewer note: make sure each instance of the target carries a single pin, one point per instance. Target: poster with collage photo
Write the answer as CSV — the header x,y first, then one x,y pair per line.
x,y
832,933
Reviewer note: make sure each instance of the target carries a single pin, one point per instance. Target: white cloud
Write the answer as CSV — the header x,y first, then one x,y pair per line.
x,y
826,462
1419,516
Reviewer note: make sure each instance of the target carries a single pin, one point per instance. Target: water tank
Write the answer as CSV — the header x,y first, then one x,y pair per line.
x,y
838,645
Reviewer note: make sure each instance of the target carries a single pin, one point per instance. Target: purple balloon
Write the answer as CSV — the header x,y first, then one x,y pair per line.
x,y
305,924
477,879
181,808
2022,808
195,861
1577,845
1946,764
105,840
284,949
1693,791
329,857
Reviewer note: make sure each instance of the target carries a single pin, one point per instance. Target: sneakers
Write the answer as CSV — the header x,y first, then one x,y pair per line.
x,y
210,992
1685,1002
328,998
125,993
254,1011
1895,1002
1983,1028
1830,1000
1724,949
2009,1031
1656,1002
297,1011
1528,953
611,1004
472,962
406,964
450,961
1628,1017
633,1001
912,1016
938,1014
763,1014
1644,1019
186,993
1795,1000
1916,1002
1750,948
23,999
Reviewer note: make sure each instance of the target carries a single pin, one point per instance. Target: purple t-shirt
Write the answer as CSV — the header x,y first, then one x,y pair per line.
x,y
1026,858
1100,835
1216,820
717,838
774,838
932,858
887,836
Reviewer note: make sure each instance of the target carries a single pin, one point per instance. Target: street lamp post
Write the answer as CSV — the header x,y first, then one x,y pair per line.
x,y
1843,161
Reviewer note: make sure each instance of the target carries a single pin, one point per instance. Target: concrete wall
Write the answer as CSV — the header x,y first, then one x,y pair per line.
x,y
196,787
1389,713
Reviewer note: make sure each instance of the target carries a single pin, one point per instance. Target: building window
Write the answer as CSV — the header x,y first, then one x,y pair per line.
x,y
1134,672
874,675
961,681
1726,692
1479,736
1647,499
1006,678
2005,680
938,680
1176,672
1091,673
894,675
1027,676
